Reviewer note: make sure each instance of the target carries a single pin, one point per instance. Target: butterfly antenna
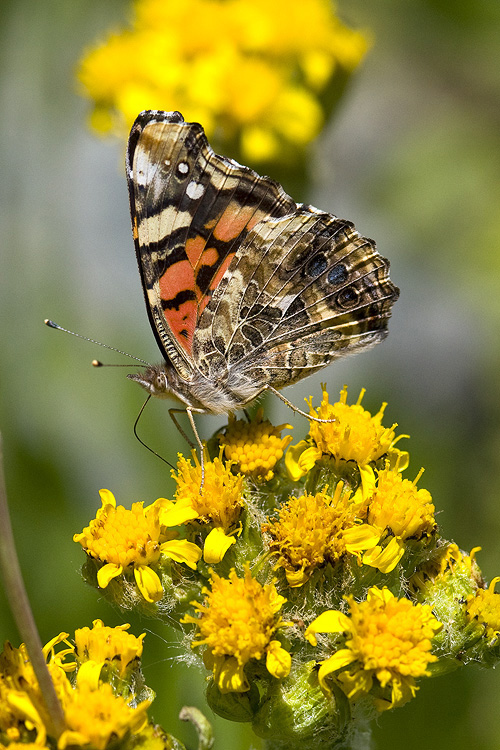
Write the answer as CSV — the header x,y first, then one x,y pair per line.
x,y
51,324
142,441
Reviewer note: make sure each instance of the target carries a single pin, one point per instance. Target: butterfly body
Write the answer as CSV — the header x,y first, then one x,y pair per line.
x,y
246,290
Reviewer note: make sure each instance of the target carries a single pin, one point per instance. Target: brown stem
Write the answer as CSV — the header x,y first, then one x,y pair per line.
x,y
21,609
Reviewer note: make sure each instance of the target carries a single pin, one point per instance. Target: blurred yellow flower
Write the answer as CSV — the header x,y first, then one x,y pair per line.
x,y
256,74
98,717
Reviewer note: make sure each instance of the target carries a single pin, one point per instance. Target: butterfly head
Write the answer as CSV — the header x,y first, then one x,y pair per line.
x,y
154,380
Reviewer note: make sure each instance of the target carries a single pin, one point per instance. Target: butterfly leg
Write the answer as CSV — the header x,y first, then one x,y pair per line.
x,y
189,411
171,414
295,408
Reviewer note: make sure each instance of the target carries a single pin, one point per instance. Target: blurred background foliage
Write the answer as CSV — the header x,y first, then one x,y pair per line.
x,y
413,158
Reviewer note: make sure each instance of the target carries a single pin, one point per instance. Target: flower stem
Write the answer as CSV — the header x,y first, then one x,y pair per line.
x,y
21,609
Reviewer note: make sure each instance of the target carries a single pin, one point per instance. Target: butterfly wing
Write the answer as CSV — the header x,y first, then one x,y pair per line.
x,y
304,289
191,212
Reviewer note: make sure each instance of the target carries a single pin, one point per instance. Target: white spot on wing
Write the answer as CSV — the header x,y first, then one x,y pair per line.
x,y
182,167
195,190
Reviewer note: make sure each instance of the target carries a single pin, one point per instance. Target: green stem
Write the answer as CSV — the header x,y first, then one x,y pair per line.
x,y
21,610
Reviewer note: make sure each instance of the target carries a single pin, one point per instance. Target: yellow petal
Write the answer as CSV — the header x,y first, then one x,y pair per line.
x,y
89,673
361,537
23,705
216,545
182,551
331,621
368,481
278,660
300,459
337,661
148,584
231,677
356,684
385,558
107,498
69,738
107,573
54,642
177,514
296,578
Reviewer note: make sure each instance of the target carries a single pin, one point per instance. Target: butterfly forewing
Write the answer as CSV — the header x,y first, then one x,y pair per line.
x,y
192,211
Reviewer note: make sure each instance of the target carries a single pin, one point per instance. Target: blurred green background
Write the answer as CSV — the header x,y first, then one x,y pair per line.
x,y
413,159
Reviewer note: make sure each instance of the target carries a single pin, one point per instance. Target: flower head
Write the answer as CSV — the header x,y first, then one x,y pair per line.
x,y
252,72
102,645
353,435
237,621
95,717
254,447
22,707
125,540
484,608
219,504
387,639
397,511
310,531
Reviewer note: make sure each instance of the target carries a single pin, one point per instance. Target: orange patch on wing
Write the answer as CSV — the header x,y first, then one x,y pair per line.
x,y
194,250
183,322
232,222
258,216
180,278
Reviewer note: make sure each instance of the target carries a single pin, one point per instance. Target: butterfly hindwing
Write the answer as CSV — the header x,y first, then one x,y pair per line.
x,y
303,290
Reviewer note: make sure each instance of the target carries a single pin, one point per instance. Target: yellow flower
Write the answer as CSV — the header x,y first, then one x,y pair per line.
x,y
219,505
102,645
484,607
354,435
97,717
397,511
125,540
22,708
311,531
387,639
237,621
254,447
446,562
254,73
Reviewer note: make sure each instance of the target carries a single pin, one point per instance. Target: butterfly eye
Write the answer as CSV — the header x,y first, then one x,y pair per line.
x,y
160,382
348,297
337,275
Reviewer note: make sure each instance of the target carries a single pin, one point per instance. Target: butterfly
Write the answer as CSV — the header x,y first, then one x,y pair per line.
x,y
246,290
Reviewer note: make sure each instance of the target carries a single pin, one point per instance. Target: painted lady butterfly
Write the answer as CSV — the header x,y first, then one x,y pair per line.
x,y
246,290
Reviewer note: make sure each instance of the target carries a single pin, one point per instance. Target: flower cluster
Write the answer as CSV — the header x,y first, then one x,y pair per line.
x,y
303,575
97,682
259,75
